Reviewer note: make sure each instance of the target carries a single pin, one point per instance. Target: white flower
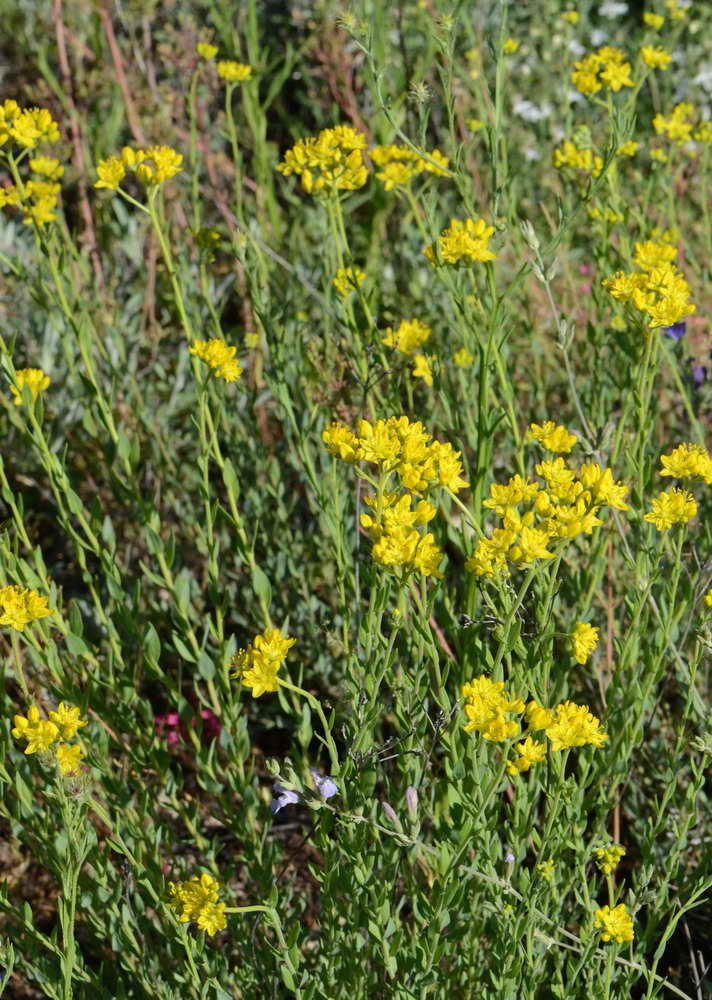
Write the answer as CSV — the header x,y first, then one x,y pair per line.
x,y
576,48
529,111
611,9
704,78
598,37
532,153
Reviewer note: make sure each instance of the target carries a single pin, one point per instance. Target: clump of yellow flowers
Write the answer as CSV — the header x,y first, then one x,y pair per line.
x,y
566,507
38,195
604,68
220,356
197,899
257,666
488,707
678,506
153,166
403,451
583,641
657,288
400,164
45,736
616,924
607,858
20,606
35,380
348,280
464,242
568,154
329,162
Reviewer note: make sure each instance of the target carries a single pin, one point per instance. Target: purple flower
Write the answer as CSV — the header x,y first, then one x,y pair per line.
x,y
676,331
509,858
389,811
284,797
326,786
411,801
699,373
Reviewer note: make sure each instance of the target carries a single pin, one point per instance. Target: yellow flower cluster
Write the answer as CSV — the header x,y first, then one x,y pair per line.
x,y
487,707
657,288
616,923
331,161
19,607
655,56
404,450
466,241
583,641
566,507
410,335
347,280
604,68
551,436
206,51
400,164
220,356
671,507
26,127
607,858
678,126
234,72
654,21
577,158
43,735
153,166
197,899
35,380
688,461
257,665
37,197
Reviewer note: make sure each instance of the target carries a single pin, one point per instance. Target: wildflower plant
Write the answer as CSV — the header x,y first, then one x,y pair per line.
x,y
355,500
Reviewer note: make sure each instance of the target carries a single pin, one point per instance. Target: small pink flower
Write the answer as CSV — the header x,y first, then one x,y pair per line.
x,y
584,269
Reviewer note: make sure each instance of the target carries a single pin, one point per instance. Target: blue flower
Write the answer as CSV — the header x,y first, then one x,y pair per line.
x,y
676,331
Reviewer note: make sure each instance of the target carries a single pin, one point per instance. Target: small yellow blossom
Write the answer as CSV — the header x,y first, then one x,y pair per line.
x,y
35,380
510,46
574,726
652,20
39,733
487,706
347,280
463,358
659,155
331,161
604,68
475,124
583,641
234,72
67,720
68,759
19,607
572,16
220,356
655,56
617,923
530,752
422,369
206,51
197,899
552,437
257,665
607,858
110,172
708,598
464,241
546,869
410,335
687,461
47,166
671,507
629,148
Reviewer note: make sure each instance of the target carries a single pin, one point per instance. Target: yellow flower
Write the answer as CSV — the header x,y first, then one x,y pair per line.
x,y
687,461
659,155
655,56
474,124
574,726
257,665
708,598
571,16
67,719
530,752
34,378
206,51
487,706
20,607
234,72
654,21
28,127
196,900
158,164
552,437
331,161
617,923
468,241
546,869
422,369
671,507
583,641
628,148
220,356
463,358
410,335
342,443
537,716
608,857
347,280
510,46
47,166
68,759
605,67
39,733
110,173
